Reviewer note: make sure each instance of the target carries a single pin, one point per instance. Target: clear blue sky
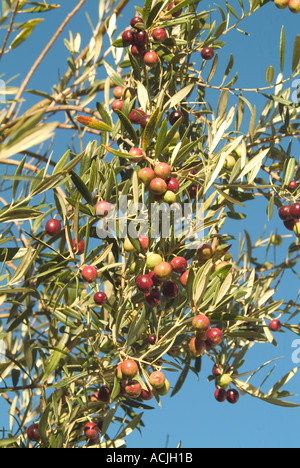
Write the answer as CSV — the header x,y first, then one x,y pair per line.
x,y
193,416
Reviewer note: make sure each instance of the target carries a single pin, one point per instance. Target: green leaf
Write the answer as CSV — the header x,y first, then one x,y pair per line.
x,y
226,285
154,12
43,424
32,292
142,95
24,34
68,167
222,104
62,317
104,114
30,23
282,49
65,382
296,54
127,126
231,9
163,138
37,180
81,187
254,162
252,124
21,317
113,75
116,389
110,185
16,180
135,242
108,419
254,4
112,444
61,163
240,113
283,381
179,96
13,214
82,208
219,167
270,74
120,314
255,392
186,150
220,29
181,379
270,209
46,184
42,94
3,18
213,68
228,68
97,260
201,281
39,7
135,67
27,140
137,327
8,441
290,171
222,273
281,100
91,122
146,10
28,355
119,154
7,254
24,265
118,42
131,425
57,355
150,128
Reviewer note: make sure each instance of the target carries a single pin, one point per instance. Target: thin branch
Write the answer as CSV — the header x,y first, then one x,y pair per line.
x,y
271,173
9,30
119,8
40,58
66,93
36,156
232,90
275,137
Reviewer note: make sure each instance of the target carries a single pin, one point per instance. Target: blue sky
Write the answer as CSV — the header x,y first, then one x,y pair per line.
x,y
193,416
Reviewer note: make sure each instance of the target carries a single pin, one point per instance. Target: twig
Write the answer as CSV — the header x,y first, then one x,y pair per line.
x,y
32,168
121,5
10,402
271,173
9,29
36,156
275,137
40,58
66,92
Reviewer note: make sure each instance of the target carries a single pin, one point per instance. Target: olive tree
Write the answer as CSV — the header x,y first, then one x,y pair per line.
x,y
116,263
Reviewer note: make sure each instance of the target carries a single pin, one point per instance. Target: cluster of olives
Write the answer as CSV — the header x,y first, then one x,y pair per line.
x,y
290,214
293,5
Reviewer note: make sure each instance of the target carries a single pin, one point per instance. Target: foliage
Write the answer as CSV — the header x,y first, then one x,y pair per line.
x,y
59,346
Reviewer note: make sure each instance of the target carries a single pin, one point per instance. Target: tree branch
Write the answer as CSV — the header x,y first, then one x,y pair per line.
x,y
42,55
